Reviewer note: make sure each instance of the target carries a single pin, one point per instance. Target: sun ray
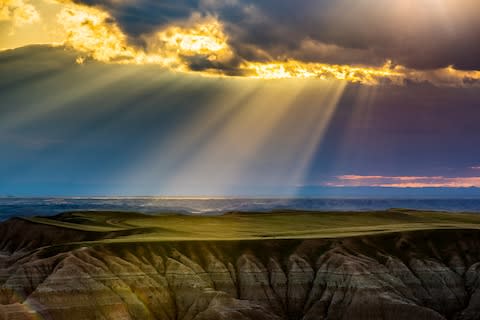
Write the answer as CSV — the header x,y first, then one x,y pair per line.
x,y
245,139
316,128
167,154
235,145
97,81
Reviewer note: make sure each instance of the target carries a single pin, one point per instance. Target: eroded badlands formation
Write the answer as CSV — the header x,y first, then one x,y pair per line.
x,y
48,272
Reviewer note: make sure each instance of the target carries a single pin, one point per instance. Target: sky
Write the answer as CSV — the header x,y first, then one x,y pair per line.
x,y
239,97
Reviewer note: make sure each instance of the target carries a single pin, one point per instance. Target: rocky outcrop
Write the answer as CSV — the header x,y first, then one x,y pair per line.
x,y
416,275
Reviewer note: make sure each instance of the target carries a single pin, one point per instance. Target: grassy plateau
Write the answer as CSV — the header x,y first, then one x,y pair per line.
x,y
254,226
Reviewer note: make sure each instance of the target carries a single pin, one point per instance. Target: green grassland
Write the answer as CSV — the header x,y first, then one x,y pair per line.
x,y
250,226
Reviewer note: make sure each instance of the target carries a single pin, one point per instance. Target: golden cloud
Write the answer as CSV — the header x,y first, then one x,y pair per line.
x,y
295,69
199,36
88,30
93,32
445,77
19,12
200,43
405,181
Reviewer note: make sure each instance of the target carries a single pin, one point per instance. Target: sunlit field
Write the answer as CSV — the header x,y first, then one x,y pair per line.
x,y
251,226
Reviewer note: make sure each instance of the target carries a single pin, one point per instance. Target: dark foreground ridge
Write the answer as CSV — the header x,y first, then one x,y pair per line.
x,y
50,271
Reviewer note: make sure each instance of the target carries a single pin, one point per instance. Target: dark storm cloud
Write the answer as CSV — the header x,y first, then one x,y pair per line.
x,y
422,34
202,63
143,16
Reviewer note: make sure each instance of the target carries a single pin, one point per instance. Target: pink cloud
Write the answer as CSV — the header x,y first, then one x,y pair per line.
x,y
404,181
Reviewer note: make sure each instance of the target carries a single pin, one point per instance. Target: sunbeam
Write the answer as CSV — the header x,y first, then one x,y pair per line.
x,y
238,133
94,82
315,130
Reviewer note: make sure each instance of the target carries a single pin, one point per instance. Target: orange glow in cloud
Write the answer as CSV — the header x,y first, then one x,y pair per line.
x,y
201,36
90,31
95,34
87,31
302,70
19,12
405,181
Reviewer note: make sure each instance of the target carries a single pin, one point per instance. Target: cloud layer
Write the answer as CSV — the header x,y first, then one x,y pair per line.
x,y
420,34
19,12
367,41
405,181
